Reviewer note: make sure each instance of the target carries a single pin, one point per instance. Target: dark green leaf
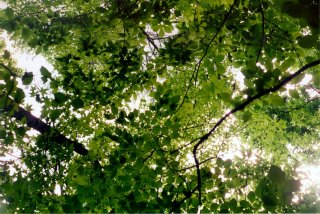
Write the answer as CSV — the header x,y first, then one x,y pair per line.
x,y
4,75
21,131
251,196
19,95
246,116
77,103
55,114
308,41
9,12
60,98
27,78
3,134
45,74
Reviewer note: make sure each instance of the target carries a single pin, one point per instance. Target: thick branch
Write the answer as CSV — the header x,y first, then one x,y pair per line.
x,y
37,124
238,108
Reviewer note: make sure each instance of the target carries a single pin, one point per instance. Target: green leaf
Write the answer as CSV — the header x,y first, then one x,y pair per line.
x,y
11,85
287,64
78,82
219,58
297,79
269,201
9,12
2,87
27,78
233,204
227,163
276,100
54,114
9,139
308,41
248,73
26,33
220,162
245,204
21,131
4,75
77,103
251,196
276,175
114,109
3,134
45,74
291,186
3,101
246,116
60,98
19,95
82,180
316,79
214,207
294,94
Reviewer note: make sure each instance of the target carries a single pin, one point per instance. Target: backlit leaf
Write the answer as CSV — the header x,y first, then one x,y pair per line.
x,y
276,175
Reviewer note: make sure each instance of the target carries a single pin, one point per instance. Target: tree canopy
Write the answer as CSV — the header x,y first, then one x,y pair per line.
x,y
161,106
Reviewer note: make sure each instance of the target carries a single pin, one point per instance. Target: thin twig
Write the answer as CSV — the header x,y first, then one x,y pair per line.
x,y
198,64
288,39
183,146
149,38
149,156
299,106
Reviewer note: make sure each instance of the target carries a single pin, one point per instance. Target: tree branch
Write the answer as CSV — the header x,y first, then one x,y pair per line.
x,y
238,108
37,124
149,39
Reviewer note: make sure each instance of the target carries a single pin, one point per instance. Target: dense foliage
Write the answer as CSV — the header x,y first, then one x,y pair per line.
x,y
145,105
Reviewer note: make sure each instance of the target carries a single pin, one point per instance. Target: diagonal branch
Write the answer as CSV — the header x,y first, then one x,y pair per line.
x,y
238,108
42,127
149,39
37,124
